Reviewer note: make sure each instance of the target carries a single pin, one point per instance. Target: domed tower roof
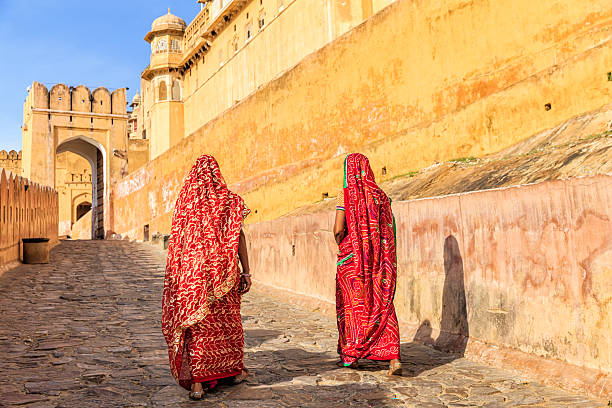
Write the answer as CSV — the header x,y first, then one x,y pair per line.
x,y
168,19
135,100
167,22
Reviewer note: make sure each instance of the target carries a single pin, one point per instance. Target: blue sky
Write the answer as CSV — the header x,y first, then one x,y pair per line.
x,y
89,42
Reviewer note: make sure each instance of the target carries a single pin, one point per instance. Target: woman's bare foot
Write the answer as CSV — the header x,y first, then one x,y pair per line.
x,y
395,367
241,377
197,392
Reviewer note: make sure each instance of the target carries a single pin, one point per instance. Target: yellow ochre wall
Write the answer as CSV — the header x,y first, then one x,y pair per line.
x,y
225,77
418,82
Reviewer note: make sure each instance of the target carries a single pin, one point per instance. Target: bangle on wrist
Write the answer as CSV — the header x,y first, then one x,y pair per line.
x,y
246,275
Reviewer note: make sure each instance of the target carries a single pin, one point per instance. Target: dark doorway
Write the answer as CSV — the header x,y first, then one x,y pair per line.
x,y
82,209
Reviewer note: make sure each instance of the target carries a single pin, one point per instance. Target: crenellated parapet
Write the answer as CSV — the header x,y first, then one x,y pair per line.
x,y
64,98
11,161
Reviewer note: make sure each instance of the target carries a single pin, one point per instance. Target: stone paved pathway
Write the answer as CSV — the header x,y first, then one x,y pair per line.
x,y
84,331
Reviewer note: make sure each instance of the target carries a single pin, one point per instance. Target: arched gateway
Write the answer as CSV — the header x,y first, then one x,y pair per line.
x,y
74,120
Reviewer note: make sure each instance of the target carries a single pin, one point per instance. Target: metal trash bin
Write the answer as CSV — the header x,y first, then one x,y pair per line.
x,y
35,250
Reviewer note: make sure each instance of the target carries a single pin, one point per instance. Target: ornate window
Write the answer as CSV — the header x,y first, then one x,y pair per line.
x,y
176,91
163,91
175,45
162,45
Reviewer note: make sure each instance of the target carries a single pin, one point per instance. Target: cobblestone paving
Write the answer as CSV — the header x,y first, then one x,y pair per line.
x,y
84,331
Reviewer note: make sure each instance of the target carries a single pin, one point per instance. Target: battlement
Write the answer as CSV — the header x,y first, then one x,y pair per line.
x,y
62,97
11,161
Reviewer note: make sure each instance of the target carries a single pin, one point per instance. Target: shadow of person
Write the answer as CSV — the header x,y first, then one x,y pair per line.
x,y
454,328
424,353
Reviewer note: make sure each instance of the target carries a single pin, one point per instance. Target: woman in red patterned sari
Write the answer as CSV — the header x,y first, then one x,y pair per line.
x,y
201,301
366,274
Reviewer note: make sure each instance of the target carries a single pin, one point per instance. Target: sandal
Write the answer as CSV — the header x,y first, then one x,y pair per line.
x,y
395,368
353,365
241,377
196,395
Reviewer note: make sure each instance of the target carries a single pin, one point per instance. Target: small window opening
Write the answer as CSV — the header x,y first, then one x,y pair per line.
x,y
609,76
249,31
325,195
146,233
384,171
59,99
293,249
548,106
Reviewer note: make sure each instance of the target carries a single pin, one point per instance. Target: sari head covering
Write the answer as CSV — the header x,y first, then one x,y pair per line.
x,y
202,262
367,269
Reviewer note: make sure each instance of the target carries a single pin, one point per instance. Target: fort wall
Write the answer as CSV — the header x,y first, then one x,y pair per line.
x,y
414,84
11,161
524,274
90,124
27,210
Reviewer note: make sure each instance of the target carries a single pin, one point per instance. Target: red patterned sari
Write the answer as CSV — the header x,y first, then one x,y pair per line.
x,y
366,275
201,302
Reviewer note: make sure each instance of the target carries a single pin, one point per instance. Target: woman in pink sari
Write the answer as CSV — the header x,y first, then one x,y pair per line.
x,y
366,269
201,301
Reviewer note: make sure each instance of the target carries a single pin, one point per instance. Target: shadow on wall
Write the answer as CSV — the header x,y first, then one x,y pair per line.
x,y
454,329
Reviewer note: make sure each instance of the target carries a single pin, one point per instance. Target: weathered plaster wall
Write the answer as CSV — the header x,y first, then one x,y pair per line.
x,y
30,213
416,83
526,269
82,228
138,153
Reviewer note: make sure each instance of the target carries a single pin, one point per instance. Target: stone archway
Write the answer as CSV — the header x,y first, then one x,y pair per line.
x,y
95,154
92,124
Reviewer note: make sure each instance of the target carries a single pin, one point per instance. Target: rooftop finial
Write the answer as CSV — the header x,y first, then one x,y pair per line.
x,y
169,10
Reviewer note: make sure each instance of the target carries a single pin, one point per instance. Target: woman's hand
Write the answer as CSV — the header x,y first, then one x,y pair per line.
x,y
245,284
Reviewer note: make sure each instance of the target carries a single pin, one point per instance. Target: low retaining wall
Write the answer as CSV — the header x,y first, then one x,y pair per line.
x,y
27,210
82,228
524,274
